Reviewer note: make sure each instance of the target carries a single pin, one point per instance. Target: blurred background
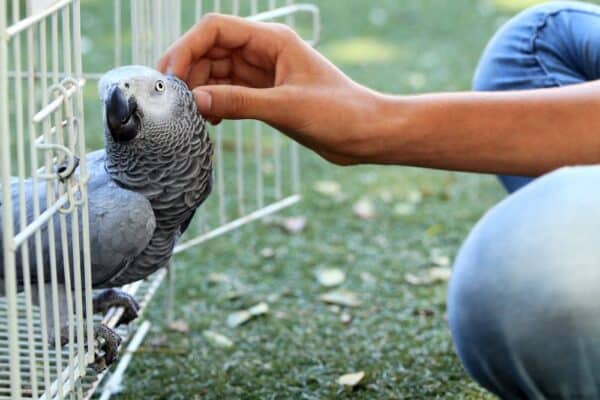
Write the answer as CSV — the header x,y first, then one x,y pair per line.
x,y
382,237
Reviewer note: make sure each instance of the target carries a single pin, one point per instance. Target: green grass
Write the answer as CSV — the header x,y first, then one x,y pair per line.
x,y
399,334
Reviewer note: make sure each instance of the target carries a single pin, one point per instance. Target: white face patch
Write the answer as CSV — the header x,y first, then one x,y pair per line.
x,y
150,88
114,76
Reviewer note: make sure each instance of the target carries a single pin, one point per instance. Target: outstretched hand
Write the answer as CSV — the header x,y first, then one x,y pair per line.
x,y
240,69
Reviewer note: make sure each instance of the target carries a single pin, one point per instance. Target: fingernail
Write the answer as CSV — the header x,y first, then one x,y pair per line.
x,y
203,100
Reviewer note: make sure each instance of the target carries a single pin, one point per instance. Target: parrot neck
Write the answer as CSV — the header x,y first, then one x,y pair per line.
x,y
175,176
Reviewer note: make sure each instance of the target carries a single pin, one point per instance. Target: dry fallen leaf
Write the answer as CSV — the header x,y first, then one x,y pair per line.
x,y
434,230
216,277
328,188
364,209
440,274
352,379
386,196
440,261
232,295
341,297
414,197
403,209
180,326
267,252
334,308
159,341
218,340
259,309
330,277
294,225
281,315
429,277
423,312
239,317
366,277
346,318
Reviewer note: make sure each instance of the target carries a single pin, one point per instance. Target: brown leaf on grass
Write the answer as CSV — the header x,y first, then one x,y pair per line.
x,y
440,261
215,278
267,252
429,277
259,309
434,230
342,298
423,312
294,225
366,277
179,325
404,209
281,315
240,317
232,295
216,339
351,379
414,197
364,209
329,188
345,318
158,341
386,196
330,277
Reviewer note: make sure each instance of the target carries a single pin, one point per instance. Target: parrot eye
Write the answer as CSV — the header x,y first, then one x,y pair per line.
x,y
159,86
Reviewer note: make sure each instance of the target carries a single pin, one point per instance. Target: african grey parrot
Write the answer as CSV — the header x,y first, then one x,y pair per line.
x,y
143,189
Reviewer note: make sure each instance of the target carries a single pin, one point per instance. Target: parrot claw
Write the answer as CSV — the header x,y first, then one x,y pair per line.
x,y
63,170
116,298
108,342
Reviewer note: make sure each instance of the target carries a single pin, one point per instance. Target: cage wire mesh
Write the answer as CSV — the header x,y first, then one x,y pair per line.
x,y
45,62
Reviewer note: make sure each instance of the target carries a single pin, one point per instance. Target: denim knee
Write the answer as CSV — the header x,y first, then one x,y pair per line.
x,y
553,44
550,45
524,308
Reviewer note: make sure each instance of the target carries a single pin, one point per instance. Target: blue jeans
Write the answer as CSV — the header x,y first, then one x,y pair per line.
x,y
524,299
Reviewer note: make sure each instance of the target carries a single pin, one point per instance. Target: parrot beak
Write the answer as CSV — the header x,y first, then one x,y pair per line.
x,y
121,118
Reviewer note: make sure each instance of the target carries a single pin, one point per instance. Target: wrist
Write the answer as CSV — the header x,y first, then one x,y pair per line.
x,y
382,129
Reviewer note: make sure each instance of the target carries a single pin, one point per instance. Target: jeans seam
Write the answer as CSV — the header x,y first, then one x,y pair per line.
x,y
537,32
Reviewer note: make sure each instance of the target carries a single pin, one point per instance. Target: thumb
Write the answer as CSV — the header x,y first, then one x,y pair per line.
x,y
234,102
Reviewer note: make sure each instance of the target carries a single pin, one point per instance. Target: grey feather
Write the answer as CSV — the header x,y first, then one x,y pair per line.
x,y
143,190
121,221
143,193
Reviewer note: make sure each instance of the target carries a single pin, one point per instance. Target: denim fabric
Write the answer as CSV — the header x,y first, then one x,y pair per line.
x,y
555,44
524,299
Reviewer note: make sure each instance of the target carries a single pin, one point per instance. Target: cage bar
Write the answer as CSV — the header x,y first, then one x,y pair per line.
x,y
42,124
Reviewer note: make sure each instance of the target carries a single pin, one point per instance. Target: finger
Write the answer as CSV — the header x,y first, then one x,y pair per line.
x,y
214,121
222,31
253,76
199,73
236,102
217,53
221,68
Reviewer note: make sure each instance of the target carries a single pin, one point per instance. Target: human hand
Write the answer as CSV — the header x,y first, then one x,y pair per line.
x,y
240,69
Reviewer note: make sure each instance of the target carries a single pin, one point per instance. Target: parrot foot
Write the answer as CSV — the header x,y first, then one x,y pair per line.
x,y
63,170
107,345
116,298
108,342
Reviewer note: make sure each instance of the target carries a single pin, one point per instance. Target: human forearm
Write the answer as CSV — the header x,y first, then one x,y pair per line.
x,y
524,133
243,69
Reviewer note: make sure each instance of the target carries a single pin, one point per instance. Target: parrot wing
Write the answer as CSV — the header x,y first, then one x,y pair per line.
x,y
122,223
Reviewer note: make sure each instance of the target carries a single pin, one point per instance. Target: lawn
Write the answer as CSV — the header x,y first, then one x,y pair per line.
x,y
398,334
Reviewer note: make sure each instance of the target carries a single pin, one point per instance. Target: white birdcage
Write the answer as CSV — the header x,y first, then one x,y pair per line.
x,y
42,86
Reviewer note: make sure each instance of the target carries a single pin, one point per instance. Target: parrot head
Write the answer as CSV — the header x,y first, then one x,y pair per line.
x,y
141,105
